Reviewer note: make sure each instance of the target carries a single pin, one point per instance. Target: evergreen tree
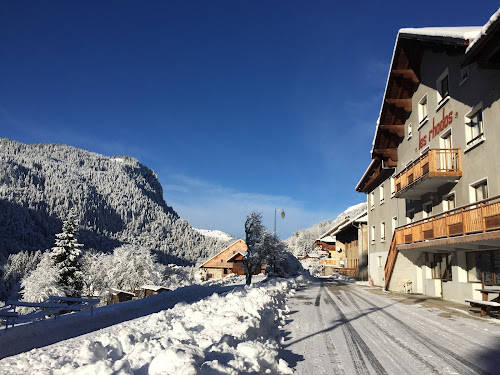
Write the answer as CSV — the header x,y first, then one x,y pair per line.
x,y
66,257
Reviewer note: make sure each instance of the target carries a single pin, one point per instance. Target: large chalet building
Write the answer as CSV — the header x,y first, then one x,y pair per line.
x,y
433,184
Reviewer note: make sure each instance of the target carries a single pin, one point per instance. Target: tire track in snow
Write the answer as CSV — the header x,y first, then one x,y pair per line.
x,y
357,346
338,367
400,343
461,365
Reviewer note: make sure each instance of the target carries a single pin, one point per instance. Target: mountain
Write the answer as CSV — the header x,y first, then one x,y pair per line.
x,y
216,234
117,199
302,241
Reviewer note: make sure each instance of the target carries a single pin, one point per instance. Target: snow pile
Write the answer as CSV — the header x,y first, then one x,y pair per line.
x,y
222,334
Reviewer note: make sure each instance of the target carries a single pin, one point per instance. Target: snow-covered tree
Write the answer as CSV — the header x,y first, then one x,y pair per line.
x,y
42,282
66,257
254,238
262,246
17,267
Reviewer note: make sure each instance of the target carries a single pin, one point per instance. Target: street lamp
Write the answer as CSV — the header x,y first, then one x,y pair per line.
x,y
282,216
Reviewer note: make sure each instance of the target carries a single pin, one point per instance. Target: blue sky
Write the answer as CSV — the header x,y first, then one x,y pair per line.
x,y
237,105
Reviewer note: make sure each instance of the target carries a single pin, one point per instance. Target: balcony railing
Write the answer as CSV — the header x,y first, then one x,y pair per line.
x,y
428,172
328,262
479,217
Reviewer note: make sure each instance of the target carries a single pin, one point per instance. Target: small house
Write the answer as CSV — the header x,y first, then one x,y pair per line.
x,y
117,296
228,261
149,290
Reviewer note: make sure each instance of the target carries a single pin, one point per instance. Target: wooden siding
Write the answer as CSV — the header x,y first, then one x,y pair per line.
x,y
219,261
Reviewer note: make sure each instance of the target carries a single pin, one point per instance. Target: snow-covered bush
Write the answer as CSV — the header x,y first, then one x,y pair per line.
x,y
42,282
288,265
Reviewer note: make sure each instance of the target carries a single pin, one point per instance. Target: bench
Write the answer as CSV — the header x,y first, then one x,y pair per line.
x,y
76,304
485,306
54,306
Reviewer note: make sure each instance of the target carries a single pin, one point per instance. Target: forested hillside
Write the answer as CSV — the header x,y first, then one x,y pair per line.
x,y
117,200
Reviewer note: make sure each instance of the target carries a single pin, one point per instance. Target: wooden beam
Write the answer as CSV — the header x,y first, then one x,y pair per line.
x,y
391,153
400,103
391,163
399,130
406,74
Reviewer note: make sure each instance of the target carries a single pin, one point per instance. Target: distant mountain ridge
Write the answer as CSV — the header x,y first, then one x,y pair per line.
x,y
118,200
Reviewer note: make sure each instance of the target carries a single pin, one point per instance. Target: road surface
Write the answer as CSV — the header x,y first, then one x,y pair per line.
x,y
338,327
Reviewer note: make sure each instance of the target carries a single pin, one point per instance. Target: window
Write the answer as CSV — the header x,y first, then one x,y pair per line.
x,y
372,234
372,200
449,202
440,265
484,266
379,261
382,200
480,191
409,130
443,87
382,231
474,127
464,74
422,110
393,187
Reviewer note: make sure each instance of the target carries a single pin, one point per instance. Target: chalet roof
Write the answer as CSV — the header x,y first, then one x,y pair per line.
x,y
328,238
331,230
220,252
487,38
361,218
154,287
234,256
119,291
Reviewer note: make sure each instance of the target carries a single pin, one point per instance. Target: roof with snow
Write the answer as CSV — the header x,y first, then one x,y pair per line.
x,y
486,46
362,219
154,287
119,291
234,256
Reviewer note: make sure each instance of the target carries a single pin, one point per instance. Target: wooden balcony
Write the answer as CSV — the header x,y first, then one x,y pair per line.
x,y
475,224
475,218
328,262
428,172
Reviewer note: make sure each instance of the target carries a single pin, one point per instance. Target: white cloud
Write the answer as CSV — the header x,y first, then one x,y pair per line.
x,y
210,206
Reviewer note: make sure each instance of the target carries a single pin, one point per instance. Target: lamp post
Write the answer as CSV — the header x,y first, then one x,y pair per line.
x,y
282,216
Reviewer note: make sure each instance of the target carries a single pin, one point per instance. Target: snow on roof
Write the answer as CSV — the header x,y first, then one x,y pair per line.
x,y
118,291
352,211
328,238
361,218
231,258
484,30
464,32
153,287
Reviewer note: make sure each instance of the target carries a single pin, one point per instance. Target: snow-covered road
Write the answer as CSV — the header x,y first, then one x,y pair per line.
x,y
336,327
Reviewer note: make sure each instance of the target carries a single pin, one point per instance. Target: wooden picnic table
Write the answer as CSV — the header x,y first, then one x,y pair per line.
x,y
485,304
486,291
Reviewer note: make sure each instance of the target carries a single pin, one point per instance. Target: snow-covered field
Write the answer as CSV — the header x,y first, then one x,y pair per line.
x,y
231,333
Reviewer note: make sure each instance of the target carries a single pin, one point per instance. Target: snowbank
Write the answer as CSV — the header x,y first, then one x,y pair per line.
x,y
222,334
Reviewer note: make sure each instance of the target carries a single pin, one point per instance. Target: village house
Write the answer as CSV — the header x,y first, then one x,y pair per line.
x,y
352,241
433,183
228,261
117,296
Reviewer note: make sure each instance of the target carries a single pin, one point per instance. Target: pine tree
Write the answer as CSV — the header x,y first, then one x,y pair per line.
x,y
66,257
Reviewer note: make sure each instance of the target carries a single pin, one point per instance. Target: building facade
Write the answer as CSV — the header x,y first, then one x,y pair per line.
x,y
433,186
